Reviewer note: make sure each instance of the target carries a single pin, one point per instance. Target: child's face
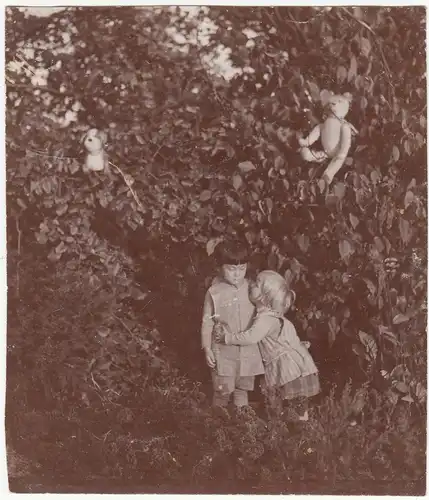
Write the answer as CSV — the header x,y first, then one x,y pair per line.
x,y
255,291
234,274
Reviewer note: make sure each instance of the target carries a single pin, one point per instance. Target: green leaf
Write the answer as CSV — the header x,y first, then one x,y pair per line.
x,y
205,195
194,206
303,242
375,176
322,185
54,257
409,198
254,195
62,209
237,181
325,95
371,287
41,238
103,331
420,392
46,185
107,365
331,201
400,318
369,343
405,230
358,13
346,250
249,237
365,46
359,350
21,203
333,330
392,397
340,190
400,371
341,74
60,248
116,269
395,153
400,386
74,167
386,333
412,184
314,91
295,267
246,166
379,245
354,221
278,163
212,244
137,294
387,244
407,147
353,69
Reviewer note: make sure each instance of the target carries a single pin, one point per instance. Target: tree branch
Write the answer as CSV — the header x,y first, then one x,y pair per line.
x,y
129,185
32,88
294,24
366,26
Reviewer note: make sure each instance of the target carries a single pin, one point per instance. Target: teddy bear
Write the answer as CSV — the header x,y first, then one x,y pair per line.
x,y
335,134
96,159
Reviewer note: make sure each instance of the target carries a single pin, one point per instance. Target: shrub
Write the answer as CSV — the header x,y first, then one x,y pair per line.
x,y
88,327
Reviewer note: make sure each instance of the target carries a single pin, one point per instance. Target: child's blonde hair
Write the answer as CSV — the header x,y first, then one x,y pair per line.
x,y
275,292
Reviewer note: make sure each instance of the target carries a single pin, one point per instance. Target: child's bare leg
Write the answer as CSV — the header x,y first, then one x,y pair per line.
x,y
301,406
240,397
296,409
242,386
220,398
222,388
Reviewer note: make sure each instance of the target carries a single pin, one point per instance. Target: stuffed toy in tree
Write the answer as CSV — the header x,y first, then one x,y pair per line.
x,y
96,158
335,134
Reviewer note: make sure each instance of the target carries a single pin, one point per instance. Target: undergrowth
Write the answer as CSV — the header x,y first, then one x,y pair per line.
x,y
91,396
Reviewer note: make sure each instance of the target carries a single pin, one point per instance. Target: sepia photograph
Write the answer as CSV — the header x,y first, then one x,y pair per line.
x,y
216,249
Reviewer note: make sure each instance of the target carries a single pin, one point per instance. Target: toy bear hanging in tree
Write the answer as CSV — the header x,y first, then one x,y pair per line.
x,y
96,158
335,134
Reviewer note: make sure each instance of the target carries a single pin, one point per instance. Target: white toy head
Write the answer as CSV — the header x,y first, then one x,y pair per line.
x,y
94,140
339,104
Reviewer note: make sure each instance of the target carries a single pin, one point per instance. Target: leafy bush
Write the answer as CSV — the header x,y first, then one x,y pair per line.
x,y
208,158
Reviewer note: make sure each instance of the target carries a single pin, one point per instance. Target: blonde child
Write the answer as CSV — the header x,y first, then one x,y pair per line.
x,y
233,366
287,362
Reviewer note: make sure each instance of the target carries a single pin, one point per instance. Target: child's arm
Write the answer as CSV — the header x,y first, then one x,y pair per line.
x,y
208,322
260,328
207,329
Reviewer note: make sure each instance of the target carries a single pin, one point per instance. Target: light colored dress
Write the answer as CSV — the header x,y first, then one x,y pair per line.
x,y
288,364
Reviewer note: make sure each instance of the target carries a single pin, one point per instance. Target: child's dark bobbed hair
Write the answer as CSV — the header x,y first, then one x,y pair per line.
x,y
232,252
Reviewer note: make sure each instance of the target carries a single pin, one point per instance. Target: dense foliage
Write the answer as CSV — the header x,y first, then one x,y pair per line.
x,y
209,157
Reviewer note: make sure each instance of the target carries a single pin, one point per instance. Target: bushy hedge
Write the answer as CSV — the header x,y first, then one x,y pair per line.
x,y
208,158
81,408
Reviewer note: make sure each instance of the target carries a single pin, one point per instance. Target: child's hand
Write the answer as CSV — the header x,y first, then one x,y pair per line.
x,y
306,344
210,358
219,331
